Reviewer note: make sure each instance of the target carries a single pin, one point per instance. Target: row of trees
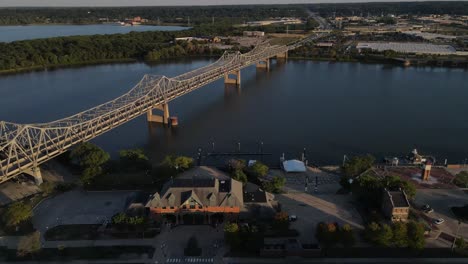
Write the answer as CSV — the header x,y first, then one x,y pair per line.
x,y
399,234
256,173
62,51
415,8
330,234
197,14
95,162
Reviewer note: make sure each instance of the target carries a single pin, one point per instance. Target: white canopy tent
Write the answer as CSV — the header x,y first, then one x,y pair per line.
x,y
294,166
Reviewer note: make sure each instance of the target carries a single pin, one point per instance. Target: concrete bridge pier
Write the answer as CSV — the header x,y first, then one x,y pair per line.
x,y
158,118
283,56
35,172
263,64
237,80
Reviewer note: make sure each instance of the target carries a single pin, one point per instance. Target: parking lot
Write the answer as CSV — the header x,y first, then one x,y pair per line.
x,y
316,205
80,207
441,200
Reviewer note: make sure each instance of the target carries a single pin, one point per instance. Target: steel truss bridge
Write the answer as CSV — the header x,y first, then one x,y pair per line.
x,y
23,147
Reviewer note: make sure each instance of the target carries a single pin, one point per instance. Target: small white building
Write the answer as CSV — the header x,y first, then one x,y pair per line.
x,y
254,34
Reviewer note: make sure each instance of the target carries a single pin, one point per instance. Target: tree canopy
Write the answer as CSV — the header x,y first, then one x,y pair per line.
x,y
16,213
178,162
91,158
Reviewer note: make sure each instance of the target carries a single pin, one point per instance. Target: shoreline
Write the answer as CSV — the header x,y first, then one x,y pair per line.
x,y
131,60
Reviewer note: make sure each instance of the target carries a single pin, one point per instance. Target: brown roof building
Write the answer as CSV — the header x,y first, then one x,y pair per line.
x,y
202,192
395,205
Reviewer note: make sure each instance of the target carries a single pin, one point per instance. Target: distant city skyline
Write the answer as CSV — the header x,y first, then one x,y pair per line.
x,y
13,3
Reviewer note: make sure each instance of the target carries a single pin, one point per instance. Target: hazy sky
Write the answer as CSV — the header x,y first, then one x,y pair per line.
x,y
166,2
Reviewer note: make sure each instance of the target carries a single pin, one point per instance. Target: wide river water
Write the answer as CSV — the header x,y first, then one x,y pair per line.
x,y
13,33
331,109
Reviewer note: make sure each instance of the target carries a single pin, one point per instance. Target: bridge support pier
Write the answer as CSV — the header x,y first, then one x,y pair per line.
x,y
228,80
263,64
158,118
283,56
35,172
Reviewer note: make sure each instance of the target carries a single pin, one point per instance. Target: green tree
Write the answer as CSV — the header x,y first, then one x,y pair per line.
x,y
178,162
274,186
91,158
239,175
460,243
259,169
17,213
461,179
231,234
385,235
236,164
372,231
400,234
355,166
89,155
29,244
416,235
395,183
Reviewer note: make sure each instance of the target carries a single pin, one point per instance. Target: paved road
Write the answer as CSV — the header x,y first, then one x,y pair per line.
x,y
441,200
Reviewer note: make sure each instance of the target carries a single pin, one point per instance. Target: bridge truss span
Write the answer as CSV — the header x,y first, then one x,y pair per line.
x,y
25,146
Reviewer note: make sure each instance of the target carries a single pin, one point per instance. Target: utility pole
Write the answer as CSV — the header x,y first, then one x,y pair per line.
x,y
212,20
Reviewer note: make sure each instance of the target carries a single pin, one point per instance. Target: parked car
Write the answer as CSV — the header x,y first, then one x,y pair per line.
x,y
292,218
439,221
427,209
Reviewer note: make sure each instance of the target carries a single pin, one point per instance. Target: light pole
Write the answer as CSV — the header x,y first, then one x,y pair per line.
x,y
456,234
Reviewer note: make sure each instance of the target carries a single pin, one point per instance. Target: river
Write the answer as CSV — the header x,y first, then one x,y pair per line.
x,y
331,109
14,33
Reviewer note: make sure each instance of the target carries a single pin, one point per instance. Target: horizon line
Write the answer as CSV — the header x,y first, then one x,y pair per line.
x,y
220,5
